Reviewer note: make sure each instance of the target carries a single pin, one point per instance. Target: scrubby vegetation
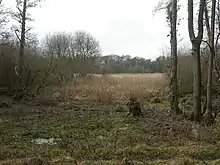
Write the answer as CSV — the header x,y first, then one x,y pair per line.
x,y
62,102
78,122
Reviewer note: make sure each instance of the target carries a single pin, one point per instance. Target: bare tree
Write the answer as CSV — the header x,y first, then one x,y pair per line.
x,y
73,52
22,16
80,45
211,43
58,44
85,45
85,50
58,48
173,41
196,43
32,45
216,61
4,19
171,11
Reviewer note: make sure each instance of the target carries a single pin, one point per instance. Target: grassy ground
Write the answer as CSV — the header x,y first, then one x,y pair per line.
x,y
96,133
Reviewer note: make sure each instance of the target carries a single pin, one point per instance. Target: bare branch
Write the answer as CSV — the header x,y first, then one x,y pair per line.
x,y
200,19
190,20
208,28
20,11
216,42
16,33
162,5
28,30
209,45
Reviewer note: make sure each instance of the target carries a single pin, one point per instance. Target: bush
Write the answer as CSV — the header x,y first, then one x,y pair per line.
x,y
36,72
185,74
156,100
8,76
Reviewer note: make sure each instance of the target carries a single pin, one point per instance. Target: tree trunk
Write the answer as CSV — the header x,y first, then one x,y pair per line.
x,y
22,43
207,24
196,42
173,41
208,114
216,63
196,82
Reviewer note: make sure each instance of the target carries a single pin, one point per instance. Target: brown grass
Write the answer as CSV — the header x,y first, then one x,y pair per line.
x,y
116,88
98,134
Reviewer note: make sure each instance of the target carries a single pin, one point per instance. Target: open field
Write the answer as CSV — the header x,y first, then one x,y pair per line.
x,y
116,88
80,124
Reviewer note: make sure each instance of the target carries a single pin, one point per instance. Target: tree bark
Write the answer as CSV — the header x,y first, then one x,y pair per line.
x,y
210,67
196,82
22,42
196,42
173,41
207,24
216,63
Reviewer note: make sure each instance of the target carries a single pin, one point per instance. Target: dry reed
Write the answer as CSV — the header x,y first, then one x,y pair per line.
x,y
116,88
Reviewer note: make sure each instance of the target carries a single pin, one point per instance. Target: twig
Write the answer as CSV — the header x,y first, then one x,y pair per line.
x,y
210,47
17,35
217,163
202,160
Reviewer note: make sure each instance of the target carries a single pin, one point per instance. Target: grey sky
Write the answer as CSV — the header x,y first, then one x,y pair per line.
x,y
121,26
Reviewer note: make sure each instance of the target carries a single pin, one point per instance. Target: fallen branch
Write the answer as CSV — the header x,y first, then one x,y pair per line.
x,y
202,159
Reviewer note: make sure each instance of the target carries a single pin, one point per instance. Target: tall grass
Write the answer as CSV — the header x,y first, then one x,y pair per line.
x,y
116,88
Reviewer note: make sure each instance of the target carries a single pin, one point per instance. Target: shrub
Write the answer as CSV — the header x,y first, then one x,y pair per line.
x,y
156,100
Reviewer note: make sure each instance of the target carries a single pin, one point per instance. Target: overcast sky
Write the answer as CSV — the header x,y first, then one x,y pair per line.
x,y
121,26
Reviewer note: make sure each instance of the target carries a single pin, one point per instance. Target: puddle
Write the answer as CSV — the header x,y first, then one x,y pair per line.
x,y
50,141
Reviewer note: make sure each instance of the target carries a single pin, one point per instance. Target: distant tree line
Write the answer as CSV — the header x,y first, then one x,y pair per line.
x,y
127,64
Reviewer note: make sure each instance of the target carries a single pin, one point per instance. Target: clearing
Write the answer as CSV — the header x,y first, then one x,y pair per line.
x,y
70,132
